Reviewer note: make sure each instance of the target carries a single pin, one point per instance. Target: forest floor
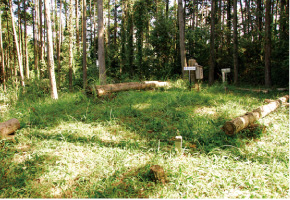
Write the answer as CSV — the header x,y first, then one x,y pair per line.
x,y
85,147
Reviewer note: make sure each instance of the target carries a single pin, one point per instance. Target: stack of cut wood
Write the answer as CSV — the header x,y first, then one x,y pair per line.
x,y
102,90
242,122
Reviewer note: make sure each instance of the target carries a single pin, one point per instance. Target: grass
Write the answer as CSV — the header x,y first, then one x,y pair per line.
x,y
84,147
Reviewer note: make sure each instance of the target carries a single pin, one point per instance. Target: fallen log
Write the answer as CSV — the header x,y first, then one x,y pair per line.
x,y
109,88
242,122
254,90
8,128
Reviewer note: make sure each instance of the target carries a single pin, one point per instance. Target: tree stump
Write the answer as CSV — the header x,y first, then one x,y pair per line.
x,y
157,174
9,127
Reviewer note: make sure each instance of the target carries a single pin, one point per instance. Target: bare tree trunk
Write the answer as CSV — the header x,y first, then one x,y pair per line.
x,y
17,45
2,57
212,43
101,49
235,37
70,30
268,44
77,26
25,44
50,60
115,23
40,36
59,43
35,31
84,45
181,36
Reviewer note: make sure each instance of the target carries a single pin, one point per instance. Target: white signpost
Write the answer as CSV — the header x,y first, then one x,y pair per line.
x,y
189,68
224,72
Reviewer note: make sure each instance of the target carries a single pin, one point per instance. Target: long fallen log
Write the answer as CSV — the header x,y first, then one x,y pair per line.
x,y
254,90
242,122
109,88
9,127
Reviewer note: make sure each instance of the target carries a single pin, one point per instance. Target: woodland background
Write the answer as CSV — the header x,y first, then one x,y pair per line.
x,y
142,40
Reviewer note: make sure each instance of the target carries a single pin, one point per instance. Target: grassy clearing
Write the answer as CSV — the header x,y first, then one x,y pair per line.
x,y
83,147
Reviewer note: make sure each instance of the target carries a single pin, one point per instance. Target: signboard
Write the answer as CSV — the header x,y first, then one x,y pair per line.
x,y
226,70
189,68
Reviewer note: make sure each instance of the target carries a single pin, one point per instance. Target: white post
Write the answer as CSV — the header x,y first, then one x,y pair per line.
x,y
178,144
224,76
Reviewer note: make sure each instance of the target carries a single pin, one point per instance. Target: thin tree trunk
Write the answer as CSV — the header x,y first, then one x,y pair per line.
x,y
259,18
2,57
212,43
50,60
59,43
70,30
17,45
40,37
101,50
115,24
109,32
77,26
235,38
229,26
181,36
268,44
84,45
35,28
25,43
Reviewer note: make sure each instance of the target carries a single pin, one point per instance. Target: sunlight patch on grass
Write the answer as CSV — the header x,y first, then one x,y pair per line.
x,y
142,106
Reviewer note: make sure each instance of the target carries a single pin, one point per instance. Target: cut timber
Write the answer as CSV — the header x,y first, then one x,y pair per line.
x,y
157,174
105,89
254,90
9,127
242,122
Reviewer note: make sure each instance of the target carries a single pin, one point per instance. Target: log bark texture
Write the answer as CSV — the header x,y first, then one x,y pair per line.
x,y
9,127
242,122
102,90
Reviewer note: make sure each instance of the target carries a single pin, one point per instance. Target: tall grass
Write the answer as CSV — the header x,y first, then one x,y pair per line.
x,y
84,147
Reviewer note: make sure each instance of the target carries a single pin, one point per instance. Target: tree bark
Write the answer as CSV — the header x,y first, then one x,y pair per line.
x,y
70,30
242,122
212,43
17,45
40,35
84,37
182,36
101,49
25,42
267,47
50,60
102,90
9,127
77,25
3,77
235,38
35,31
59,43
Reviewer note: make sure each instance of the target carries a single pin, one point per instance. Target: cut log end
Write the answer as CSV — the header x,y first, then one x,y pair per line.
x,y
8,128
229,128
157,174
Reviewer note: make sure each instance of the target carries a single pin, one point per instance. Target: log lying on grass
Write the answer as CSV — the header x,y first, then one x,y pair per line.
x,y
9,127
242,122
254,90
105,89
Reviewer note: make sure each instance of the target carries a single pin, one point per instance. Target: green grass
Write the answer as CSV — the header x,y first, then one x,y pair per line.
x,y
84,147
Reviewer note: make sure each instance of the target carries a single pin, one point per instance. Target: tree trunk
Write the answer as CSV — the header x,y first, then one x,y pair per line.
x,y
102,90
242,122
35,31
268,44
16,44
235,38
229,26
40,36
84,44
59,43
70,30
25,42
50,60
77,26
101,49
9,127
259,18
212,44
2,57
182,36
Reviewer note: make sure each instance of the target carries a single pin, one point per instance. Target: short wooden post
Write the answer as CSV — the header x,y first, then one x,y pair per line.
x,y
178,144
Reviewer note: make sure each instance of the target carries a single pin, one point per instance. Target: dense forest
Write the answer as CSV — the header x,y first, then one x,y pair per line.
x,y
76,43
